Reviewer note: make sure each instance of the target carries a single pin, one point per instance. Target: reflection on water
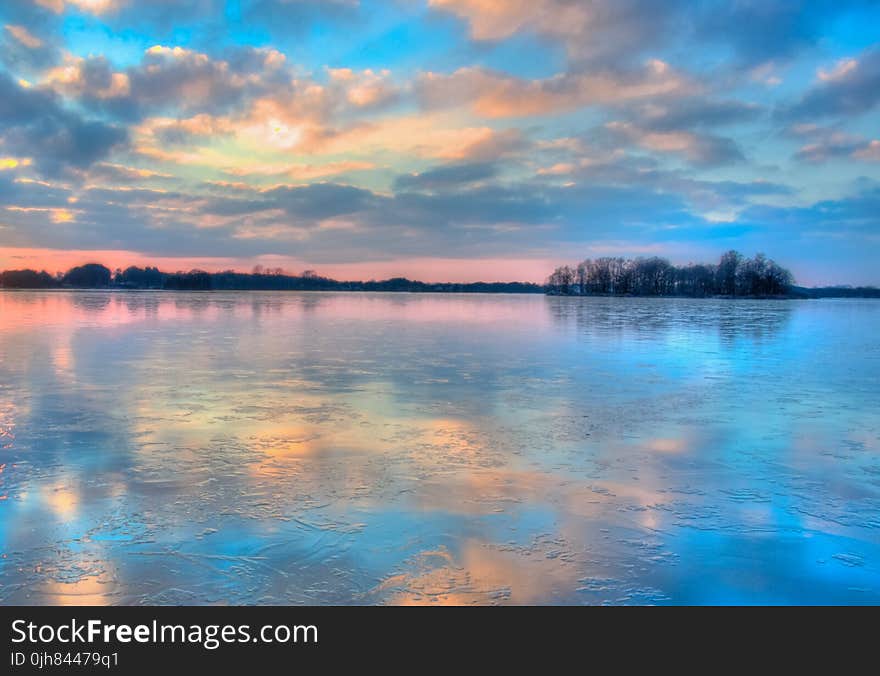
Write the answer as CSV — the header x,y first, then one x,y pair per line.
x,y
260,448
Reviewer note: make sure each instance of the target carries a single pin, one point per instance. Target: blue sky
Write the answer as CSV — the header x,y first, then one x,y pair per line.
x,y
447,139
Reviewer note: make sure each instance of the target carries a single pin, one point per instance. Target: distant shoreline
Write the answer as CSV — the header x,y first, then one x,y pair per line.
x,y
734,277
801,293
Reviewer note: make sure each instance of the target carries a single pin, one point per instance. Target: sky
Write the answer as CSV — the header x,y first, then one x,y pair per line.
x,y
455,140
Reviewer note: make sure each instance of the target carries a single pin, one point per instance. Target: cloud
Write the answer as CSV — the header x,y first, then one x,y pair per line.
x,y
850,87
855,214
493,95
869,152
494,20
309,121
106,172
447,176
263,106
420,136
171,80
24,51
14,191
700,149
194,81
365,89
665,126
484,145
21,35
92,6
267,214
298,171
91,78
695,113
824,144
451,210
34,122
320,200
595,30
572,161
683,127
604,31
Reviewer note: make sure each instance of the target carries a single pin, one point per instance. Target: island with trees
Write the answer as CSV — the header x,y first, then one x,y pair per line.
x,y
733,276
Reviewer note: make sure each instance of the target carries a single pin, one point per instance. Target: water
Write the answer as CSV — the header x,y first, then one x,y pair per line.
x,y
255,448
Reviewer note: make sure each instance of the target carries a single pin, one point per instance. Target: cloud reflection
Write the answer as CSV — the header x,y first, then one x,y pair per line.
x,y
372,448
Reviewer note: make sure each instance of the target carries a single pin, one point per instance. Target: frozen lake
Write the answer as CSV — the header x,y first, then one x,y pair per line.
x,y
320,448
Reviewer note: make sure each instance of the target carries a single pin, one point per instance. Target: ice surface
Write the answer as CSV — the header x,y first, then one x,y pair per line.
x,y
255,448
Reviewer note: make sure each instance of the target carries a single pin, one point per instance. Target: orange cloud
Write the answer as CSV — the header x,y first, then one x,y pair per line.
x,y
425,136
364,89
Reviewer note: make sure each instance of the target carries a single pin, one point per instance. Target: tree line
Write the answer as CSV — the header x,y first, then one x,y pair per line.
x,y
96,276
733,275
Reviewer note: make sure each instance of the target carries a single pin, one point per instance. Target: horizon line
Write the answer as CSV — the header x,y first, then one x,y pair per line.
x,y
266,271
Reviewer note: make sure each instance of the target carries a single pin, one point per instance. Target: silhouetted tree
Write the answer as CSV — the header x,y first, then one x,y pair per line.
x,y
760,276
194,280
725,277
695,280
562,280
88,276
140,278
27,279
655,276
